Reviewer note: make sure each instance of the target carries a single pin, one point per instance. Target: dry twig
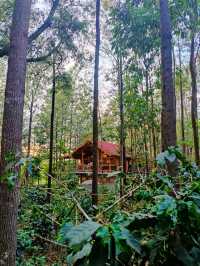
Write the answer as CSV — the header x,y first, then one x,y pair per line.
x,y
121,199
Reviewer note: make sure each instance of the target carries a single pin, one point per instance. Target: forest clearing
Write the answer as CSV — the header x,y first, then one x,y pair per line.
x,y
99,157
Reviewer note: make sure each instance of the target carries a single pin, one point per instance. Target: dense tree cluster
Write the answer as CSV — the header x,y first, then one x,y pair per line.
x,y
124,71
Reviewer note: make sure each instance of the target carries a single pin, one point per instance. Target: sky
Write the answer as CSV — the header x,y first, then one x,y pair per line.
x,y
105,67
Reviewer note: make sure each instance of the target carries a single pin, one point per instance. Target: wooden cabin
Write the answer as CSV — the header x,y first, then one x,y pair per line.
x,y
108,158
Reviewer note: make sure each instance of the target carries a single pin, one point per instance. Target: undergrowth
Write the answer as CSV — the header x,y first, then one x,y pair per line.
x,y
157,223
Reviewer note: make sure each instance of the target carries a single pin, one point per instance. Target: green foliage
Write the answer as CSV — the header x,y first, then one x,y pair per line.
x,y
64,83
24,239
85,239
38,219
6,9
72,181
78,235
35,260
163,229
159,224
166,207
142,35
19,170
170,155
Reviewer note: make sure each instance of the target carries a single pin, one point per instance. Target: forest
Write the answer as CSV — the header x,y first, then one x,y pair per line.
x,y
99,117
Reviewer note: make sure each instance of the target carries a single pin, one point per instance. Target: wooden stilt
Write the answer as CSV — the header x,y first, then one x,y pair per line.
x,y
82,161
110,165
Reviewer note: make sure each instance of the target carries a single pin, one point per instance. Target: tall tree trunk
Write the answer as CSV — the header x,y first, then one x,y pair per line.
x,y
145,133
132,151
153,133
71,124
61,159
168,115
145,151
136,144
181,97
150,145
51,130
153,128
122,135
12,127
95,108
56,148
30,124
174,67
194,115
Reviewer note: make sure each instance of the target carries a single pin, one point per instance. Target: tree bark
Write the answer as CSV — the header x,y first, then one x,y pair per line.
x,y
51,130
132,152
145,133
71,125
153,133
122,135
12,127
30,125
145,151
153,128
168,115
182,100
194,115
95,108
56,149
174,67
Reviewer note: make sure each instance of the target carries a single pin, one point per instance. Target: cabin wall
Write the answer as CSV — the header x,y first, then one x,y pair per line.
x,y
106,163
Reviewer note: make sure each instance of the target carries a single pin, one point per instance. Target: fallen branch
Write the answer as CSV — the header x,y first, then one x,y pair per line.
x,y
121,199
72,196
50,218
51,241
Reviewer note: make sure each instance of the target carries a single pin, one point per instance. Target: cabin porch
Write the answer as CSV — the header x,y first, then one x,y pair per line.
x,y
108,160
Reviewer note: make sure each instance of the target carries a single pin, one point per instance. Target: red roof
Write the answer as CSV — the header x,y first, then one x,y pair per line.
x,y
108,148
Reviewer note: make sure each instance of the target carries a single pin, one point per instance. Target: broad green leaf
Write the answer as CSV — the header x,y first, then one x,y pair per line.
x,y
121,233
84,252
194,211
81,233
11,181
184,256
119,238
64,230
195,253
166,180
161,159
166,206
198,174
170,157
196,198
131,240
104,234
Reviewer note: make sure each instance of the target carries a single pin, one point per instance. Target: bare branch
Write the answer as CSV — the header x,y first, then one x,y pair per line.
x,y
130,192
43,57
46,24
4,51
51,241
72,196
